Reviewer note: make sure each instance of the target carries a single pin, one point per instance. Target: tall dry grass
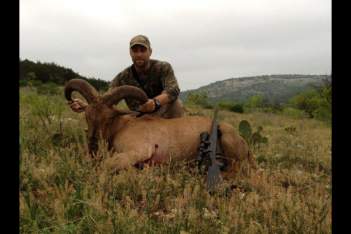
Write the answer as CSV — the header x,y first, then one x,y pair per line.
x,y
62,191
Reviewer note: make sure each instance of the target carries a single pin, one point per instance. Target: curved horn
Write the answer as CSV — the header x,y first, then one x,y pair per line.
x,y
83,87
126,91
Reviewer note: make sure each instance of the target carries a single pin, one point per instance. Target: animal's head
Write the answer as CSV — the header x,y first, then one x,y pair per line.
x,y
100,111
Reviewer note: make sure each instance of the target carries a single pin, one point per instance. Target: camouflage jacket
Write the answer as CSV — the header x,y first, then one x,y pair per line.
x,y
160,77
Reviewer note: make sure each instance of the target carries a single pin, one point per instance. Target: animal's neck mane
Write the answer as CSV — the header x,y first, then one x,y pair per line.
x,y
114,119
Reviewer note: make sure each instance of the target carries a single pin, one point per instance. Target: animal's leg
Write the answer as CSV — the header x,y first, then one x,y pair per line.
x,y
123,160
235,148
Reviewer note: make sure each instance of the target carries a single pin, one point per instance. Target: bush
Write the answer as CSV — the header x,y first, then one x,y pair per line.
x,y
238,108
23,83
198,98
254,139
255,101
99,84
322,113
35,83
48,89
225,105
315,102
293,112
231,106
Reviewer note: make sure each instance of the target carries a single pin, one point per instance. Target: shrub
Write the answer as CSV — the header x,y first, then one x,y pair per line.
x,y
293,112
198,98
315,102
23,83
255,101
238,108
231,106
48,89
35,83
253,138
225,105
322,113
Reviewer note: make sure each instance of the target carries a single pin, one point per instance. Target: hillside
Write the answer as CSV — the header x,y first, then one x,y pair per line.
x,y
275,88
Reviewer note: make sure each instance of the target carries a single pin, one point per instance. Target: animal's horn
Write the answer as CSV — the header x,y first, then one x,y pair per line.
x,y
83,87
126,91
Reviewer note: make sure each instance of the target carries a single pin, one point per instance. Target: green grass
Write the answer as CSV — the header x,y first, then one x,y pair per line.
x,y
63,191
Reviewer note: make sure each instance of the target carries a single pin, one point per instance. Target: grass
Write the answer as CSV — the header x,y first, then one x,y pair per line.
x,y
62,191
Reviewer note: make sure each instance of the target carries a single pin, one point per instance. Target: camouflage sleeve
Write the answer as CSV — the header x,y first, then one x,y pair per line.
x,y
170,83
116,81
119,81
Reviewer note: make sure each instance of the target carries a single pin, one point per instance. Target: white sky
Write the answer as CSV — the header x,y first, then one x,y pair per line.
x,y
205,41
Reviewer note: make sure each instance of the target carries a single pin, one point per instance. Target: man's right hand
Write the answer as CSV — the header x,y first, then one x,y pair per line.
x,y
77,105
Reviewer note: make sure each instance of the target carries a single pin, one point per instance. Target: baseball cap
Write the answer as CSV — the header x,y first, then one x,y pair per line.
x,y
140,40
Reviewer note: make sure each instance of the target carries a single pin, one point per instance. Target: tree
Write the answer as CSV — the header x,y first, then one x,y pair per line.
x,y
255,101
315,102
198,98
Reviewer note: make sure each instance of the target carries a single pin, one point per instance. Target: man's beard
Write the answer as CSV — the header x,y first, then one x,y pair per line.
x,y
141,65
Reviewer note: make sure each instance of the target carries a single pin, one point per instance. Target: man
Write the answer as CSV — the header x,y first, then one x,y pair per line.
x,y
155,77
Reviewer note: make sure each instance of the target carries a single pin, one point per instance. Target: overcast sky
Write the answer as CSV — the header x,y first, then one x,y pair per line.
x,y
205,41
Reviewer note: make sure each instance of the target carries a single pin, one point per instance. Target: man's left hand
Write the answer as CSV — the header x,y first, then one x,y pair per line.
x,y
148,106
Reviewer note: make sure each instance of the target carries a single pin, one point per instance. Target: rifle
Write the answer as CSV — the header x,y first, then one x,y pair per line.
x,y
213,173
208,152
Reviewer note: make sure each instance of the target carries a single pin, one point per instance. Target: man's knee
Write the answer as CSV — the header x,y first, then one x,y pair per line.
x,y
172,110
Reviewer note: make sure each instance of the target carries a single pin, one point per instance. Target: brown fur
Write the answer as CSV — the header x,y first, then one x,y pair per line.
x,y
154,139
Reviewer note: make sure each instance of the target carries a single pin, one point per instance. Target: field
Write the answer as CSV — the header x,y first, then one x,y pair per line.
x,y
63,191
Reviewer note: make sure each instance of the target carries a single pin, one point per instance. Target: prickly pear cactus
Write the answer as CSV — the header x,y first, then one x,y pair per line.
x,y
245,130
257,138
254,139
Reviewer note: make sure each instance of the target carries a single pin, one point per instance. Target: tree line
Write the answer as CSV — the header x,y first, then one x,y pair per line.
x,y
37,73
315,102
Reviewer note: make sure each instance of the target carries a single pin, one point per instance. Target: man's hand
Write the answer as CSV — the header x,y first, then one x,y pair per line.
x,y
148,106
77,105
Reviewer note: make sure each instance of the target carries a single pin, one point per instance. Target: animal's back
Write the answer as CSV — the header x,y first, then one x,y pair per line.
x,y
178,137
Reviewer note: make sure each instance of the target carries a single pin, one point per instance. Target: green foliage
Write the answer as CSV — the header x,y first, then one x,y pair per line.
x,y
255,102
23,83
245,129
307,101
238,108
198,98
34,83
293,112
53,73
48,89
273,88
253,139
225,105
99,84
323,113
45,109
231,106
31,76
316,102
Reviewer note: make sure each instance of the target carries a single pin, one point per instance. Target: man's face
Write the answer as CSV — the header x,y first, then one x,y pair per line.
x,y
140,55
